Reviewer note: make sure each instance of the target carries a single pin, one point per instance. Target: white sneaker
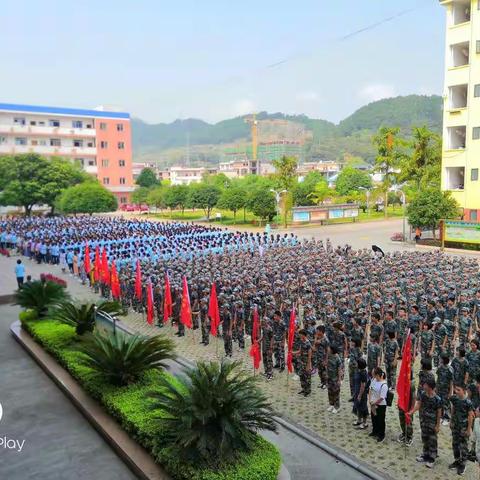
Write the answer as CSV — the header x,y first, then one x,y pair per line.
x,y
330,408
296,377
445,422
334,410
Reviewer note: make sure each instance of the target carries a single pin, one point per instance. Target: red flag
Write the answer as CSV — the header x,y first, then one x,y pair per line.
x,y
105,274
255,348
185,310
291,335
213,311
115,284
167,300
86,262
404,378
138,282
150,313
96,265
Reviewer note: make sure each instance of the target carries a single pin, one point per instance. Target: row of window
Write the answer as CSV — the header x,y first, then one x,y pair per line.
x,y
106,163
56,142
121,180
120,145
56,123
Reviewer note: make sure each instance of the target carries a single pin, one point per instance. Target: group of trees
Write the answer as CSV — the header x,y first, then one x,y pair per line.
x,y
30,179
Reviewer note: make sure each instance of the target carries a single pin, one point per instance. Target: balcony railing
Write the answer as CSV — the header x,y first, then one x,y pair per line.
x,y
41,130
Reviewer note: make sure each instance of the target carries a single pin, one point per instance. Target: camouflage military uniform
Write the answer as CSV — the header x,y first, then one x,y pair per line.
x,y
460,368
205,323
461,408
267,348
426,341
444,380
391,352
374,352
239,324
226,318
305,375
473,359
353,356
279,331
440,333
464,324
334,369
320,357
337,339
428,421
295,348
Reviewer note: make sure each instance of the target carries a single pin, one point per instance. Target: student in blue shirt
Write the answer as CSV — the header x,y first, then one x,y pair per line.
x,y
20,273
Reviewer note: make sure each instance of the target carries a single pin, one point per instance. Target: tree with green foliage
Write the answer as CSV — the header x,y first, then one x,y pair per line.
x,y
322,192
233,199
423,167
156,197
205,196
88,197
351,180
261,202
41,296
213,413
429,207
219,180
140,195
286,172
390,155
177,196
147,178
302,190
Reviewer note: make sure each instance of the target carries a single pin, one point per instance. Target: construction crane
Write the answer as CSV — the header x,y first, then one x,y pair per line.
x,y
254,132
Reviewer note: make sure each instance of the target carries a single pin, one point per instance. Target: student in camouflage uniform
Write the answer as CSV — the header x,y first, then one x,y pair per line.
x,y
402,322
204,321
473,359
334,375
406,437
376,328
430,407
374,354
464,327
445,386
320,348
424,374
338,339
279,335
461,425
227,325
460,367
450,322
239,324
266,341
354,355
391,355
427,341
305,357
441,339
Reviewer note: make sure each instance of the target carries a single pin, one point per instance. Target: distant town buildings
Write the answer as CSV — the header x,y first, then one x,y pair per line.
x,y
98,140
188,175
461,118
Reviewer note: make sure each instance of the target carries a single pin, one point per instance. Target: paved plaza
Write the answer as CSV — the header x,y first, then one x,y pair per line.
x,y
390,457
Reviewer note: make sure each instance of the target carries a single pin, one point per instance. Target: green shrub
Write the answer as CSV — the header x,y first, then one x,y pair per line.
x,y
27,316
131,406
40,296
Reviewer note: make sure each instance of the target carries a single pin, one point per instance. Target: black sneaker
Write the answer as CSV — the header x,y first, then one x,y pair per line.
x,y
350,399
306,394
453,466
371,434
380,439
461,470
301,392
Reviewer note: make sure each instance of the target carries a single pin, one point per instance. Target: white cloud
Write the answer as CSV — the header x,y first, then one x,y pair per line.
x,y
307,97
243,107
374,92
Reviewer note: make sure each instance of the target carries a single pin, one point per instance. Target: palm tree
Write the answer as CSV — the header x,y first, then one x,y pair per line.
x,y
321,192
40,296
214,413
83,317
123,358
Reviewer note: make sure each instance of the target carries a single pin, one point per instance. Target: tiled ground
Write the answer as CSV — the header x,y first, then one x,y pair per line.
x,y
389,457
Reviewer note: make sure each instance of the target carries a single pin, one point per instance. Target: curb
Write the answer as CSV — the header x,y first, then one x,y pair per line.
x,y
135,457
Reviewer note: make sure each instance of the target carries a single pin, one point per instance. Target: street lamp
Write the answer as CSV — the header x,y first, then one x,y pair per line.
x,y
278,196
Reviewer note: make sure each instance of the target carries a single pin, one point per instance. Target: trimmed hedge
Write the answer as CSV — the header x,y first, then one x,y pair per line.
x,y
131,406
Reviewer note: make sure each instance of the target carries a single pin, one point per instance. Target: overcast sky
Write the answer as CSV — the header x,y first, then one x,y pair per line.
x,y
214,59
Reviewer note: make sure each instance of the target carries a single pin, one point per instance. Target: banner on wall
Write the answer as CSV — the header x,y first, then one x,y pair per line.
x,y
462,232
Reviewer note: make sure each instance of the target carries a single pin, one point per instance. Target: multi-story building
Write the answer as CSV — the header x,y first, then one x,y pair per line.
x,y
234,168
327,169
188,175
461,119
99,140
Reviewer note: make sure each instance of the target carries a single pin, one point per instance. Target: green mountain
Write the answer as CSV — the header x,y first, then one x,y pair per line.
x,y
167,143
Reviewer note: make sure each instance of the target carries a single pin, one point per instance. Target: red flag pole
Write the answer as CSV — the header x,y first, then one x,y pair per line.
x,y
150,312
138,282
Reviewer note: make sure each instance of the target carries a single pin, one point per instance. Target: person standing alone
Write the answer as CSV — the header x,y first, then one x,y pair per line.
x,y
20,273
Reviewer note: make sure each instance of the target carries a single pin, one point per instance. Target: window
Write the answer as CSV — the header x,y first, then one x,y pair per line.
x,y
20,141
106,181
41,123
119,127
92,163
42,142
122,180
103,144
88,125
121,163
19,120
473,215
77,124
54,123
78,143
81,161
121,145
105,162
90,145
123,199
478,46
474,174
34,143
103,126
55,142
476,133
3,140
476,90
33,122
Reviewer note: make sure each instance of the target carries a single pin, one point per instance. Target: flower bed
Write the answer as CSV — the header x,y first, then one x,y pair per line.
x,y
131,406
48,277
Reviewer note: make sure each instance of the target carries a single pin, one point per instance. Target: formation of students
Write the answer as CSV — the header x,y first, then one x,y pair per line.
x,y
353,309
